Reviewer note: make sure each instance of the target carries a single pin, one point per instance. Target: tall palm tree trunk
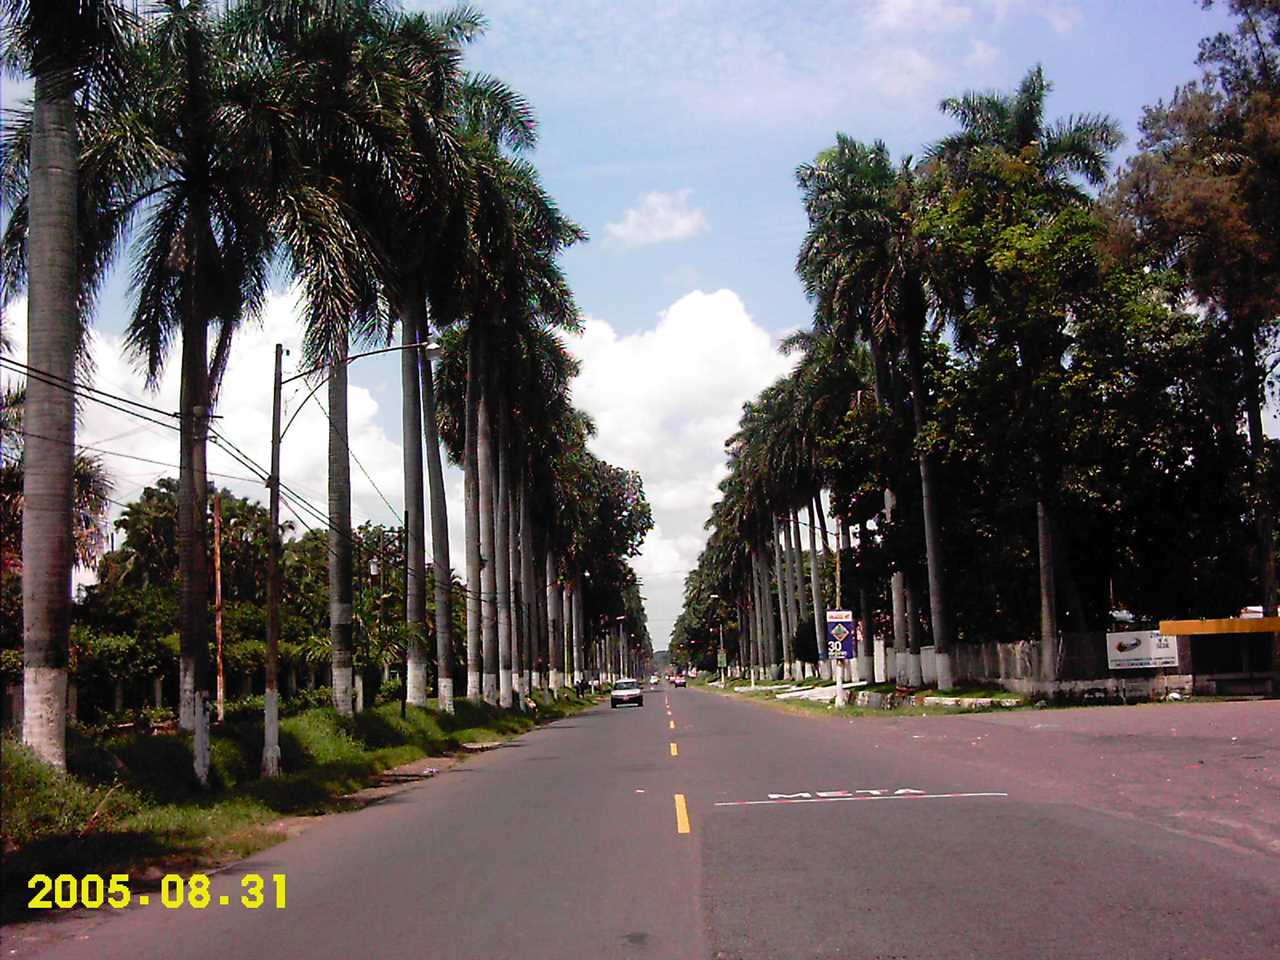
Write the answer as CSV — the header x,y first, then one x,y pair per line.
x,y
866,648
485,475
939,610
53,329
815,590
193,562
1264,508
529,588
538,604
555,643
502,560
782,581
770,624
471,481
1048,592
519,635
340,550
579,652
796,565
440,564
766,616
570,620
915,672
896,665
415,601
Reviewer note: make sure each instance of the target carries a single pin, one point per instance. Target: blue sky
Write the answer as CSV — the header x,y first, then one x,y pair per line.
x,y
724,99
671,131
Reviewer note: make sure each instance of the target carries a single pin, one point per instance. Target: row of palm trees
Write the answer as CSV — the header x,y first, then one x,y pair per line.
x,y
343,142
988,248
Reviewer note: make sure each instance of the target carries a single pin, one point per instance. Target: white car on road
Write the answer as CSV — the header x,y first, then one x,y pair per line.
x,y
627,691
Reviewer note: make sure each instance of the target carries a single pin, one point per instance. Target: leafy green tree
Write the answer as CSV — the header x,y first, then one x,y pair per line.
x,y
1199,198
1008,273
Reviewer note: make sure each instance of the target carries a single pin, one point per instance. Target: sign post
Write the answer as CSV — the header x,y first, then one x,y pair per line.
x,y
1141,649
840,647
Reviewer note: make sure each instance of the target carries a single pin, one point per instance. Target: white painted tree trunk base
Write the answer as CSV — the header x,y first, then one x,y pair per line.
x,y
915,671
187,693
867,668
444,696
942,664
200,745
416,690
359,684
506,689
490,687
271,734
343,692
473,685
44,713
555,683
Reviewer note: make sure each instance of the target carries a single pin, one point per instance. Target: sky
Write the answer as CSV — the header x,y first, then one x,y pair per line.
x,y
671,131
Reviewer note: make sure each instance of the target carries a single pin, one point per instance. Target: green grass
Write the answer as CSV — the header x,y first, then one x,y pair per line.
x,y
995,693
132,801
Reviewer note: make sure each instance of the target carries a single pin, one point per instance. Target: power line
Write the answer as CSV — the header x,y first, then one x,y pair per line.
x,y
131,456
90,393
353,456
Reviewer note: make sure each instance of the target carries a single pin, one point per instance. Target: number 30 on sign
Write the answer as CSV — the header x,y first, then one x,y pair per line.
x,y
842,634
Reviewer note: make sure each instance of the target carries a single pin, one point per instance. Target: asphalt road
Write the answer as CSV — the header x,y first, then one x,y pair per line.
x,y
1144,832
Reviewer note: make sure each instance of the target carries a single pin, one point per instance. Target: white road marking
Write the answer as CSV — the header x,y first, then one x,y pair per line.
x,y
874,796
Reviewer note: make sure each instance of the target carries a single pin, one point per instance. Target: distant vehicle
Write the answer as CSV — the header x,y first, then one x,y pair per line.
x,y
653,679
626,691
679,680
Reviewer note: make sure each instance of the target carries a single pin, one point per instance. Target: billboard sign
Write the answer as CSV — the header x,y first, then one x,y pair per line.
x,y
841,635
1141,650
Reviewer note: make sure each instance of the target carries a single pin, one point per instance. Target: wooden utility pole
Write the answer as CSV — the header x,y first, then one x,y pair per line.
x,y
270,703
217,601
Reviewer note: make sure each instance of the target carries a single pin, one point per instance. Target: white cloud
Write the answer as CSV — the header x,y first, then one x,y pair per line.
x,y
904,72
981,54
664,401
920,15
1063,17
658,218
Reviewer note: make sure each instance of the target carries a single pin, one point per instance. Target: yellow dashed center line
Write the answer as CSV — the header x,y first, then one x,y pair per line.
x,y
675,751
682,811
671,724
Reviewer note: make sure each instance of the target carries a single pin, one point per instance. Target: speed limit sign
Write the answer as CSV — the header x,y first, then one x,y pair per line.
x,y
841,635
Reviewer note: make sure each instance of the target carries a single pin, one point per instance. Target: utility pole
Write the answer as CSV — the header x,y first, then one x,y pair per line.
x,y
217,601
271,706
404,581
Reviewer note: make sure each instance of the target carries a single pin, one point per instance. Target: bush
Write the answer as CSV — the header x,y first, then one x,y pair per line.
x,y
40,802
392,691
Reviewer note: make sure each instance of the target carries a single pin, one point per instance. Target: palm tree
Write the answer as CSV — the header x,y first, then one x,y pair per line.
x,y
1014,125
841,265
67,46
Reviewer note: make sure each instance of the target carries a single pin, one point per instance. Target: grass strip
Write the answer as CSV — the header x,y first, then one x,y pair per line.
x,y
130,802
